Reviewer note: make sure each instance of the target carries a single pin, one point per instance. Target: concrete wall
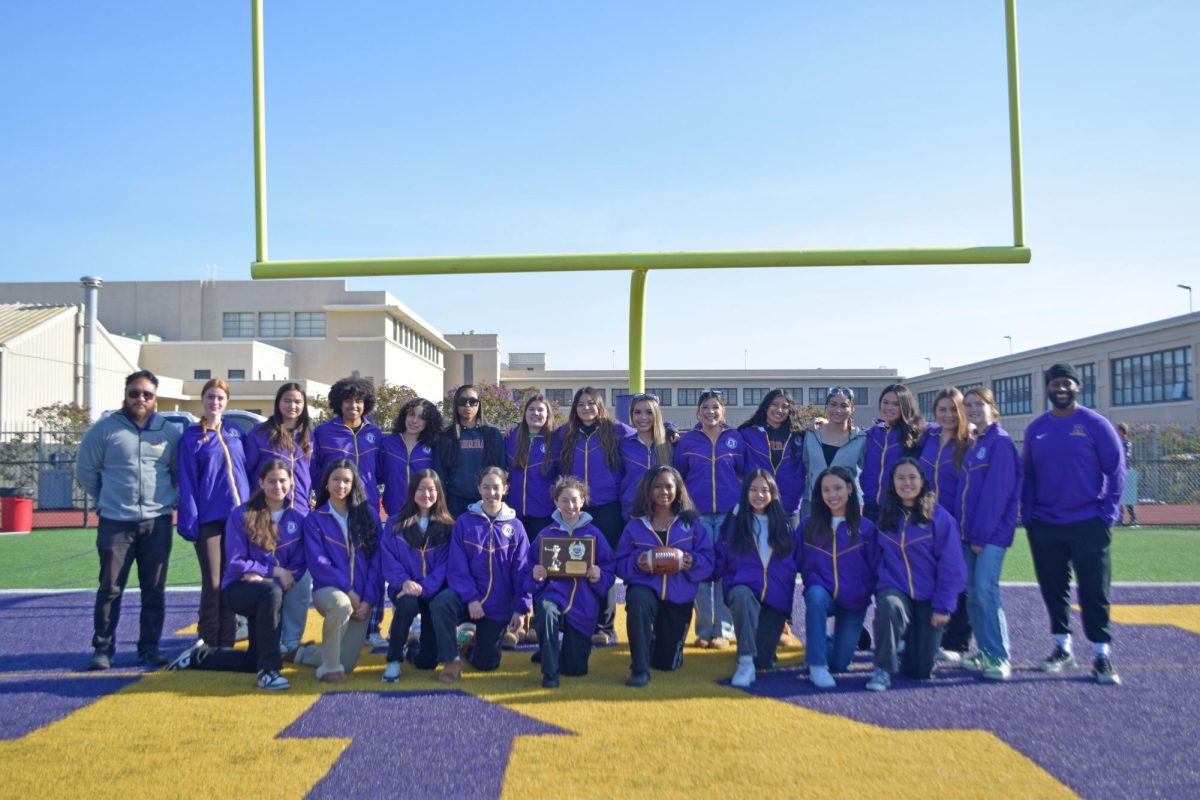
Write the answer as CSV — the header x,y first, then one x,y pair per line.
x,y
484,349
258,361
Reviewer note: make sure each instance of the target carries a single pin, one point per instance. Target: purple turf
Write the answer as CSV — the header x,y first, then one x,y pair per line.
x,y
33,703
415,744
1137,739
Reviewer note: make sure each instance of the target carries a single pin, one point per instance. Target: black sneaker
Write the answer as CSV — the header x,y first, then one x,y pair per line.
x,y
100,660
638,679
153,658
550,682
1103,671
1059,660
184,660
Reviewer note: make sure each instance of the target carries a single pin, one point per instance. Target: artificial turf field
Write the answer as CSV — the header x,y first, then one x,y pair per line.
x,y
65,733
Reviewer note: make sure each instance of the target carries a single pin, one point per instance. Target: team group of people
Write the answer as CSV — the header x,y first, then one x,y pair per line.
x,y
914,517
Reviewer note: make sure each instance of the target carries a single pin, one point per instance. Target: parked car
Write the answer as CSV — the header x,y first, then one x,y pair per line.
x,y
242,418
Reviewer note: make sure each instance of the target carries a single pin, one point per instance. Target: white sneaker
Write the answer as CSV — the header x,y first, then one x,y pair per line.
x,y
272,681
391,672
880,681
950,657
744,675
376,639
821,678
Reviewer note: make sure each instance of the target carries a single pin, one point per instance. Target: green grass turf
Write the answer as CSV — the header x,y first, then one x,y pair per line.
x,y
65,558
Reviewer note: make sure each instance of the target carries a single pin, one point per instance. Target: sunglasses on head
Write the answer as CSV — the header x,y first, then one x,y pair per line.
x,y
138,394
705,394
644,396
467,401
845,391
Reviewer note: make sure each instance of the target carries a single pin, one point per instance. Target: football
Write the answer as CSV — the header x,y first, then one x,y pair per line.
x,y
666,560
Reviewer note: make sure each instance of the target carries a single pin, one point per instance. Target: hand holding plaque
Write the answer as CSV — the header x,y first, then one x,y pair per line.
x,y
566,556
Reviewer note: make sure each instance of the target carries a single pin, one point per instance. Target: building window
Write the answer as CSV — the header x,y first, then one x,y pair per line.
x,y
925,403
1014,395
239,325
1162,377
753,397
618,393
602,393
237,374
663,395
469,368
201,374
310,324
689,397
816,396
560,396
728,393
862,397
274,324
966,387
1087,389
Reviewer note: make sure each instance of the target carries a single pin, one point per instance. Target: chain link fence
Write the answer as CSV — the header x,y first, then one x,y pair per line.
x,y
40,464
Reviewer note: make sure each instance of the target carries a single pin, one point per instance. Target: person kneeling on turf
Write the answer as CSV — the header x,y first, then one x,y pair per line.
x,y
574,601
415,551
662,556
486,573
757,558
263,559
920,572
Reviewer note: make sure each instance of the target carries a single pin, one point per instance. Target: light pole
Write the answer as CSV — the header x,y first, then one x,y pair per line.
x,y
1009,344
928,364
1189,291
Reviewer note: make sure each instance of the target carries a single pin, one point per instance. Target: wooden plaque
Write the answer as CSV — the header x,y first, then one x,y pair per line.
x,y
567,556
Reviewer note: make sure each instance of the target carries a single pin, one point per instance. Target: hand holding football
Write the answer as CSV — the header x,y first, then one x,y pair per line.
x,y
666,560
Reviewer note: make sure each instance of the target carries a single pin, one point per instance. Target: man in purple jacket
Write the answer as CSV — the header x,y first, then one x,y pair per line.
x,y
1074,473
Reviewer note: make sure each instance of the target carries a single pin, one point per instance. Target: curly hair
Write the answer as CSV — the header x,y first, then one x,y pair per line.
x,y
350,388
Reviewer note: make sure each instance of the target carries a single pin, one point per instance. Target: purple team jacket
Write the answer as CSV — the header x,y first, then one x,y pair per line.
x,y
212,477
331,562
578,598
259,450
489,562
923,561
529,488
245,558
1074,469
989,487
402,562
712,471
937,462
774,582
638,458
847,571
394,465
881,453
590,466
334,439
639,536
789,475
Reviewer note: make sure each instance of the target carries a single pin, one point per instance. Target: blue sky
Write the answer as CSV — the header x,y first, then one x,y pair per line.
x,y
468,128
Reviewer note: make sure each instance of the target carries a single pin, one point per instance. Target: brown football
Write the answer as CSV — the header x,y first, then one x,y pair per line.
x,y
666,560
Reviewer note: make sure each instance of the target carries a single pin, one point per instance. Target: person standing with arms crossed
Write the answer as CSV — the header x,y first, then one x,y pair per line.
x,y
127,464
1074,474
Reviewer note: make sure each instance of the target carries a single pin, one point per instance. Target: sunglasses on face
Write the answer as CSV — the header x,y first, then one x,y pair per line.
x,y
467,401
137,394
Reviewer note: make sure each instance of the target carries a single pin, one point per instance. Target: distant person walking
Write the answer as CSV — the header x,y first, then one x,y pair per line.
x,y
127,464
1074,472
1129,496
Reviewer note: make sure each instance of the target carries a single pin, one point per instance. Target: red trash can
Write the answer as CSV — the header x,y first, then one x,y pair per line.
x,y
16,514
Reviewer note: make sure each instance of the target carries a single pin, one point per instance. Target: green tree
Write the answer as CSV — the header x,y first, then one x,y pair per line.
x,y
66,421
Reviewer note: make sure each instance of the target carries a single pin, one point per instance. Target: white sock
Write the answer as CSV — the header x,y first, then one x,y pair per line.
x,y
1064,641
1103,649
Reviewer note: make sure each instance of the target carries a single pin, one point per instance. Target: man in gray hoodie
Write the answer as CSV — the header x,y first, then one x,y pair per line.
x,y
127,464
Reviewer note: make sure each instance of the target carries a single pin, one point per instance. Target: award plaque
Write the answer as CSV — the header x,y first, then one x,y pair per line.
x,y
567,556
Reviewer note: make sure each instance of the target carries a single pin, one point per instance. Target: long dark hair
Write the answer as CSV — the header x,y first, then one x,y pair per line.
x,y
360,522
893,507
911,425
261,530
433,421
819,530
452,434
408,521
759,417
608,435
962,433
742,532
278,436
525,438
643,499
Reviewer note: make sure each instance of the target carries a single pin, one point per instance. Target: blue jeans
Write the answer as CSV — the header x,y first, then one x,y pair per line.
x,y
983,599
712,615
294,613
846,626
